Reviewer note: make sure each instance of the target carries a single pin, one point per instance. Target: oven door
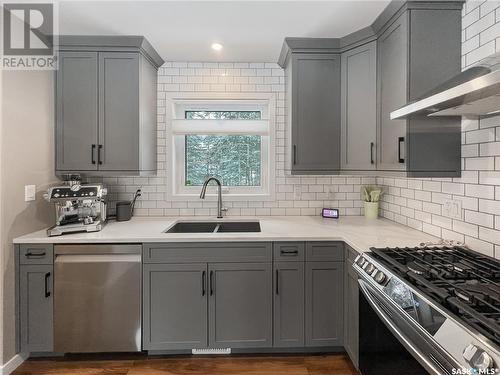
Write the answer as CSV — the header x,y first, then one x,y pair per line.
x,y
390,344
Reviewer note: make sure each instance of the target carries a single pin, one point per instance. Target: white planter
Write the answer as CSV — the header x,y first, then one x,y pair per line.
x,y
371,210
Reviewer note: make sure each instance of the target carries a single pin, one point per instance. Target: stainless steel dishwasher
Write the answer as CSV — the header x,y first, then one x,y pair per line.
x,y
97,298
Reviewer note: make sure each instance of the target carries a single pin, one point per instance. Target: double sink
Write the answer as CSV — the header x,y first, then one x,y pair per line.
x,y
214,227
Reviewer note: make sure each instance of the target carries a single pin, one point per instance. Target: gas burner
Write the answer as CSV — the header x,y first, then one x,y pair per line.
x,y
416,268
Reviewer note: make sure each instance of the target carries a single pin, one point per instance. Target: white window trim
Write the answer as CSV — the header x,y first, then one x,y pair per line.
x,y
180,102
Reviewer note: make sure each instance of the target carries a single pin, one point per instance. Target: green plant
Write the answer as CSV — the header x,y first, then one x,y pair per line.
x,y
371,193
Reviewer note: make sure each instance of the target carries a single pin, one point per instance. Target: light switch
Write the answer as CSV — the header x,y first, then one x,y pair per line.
x,y
29,193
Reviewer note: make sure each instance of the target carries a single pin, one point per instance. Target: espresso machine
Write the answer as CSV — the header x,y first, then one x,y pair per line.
x,y
79,207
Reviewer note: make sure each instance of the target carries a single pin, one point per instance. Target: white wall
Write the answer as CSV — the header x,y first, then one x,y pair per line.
x,y
230,78
418,203
26,157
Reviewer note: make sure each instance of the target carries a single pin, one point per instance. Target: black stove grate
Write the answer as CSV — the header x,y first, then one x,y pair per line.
x,y
465,282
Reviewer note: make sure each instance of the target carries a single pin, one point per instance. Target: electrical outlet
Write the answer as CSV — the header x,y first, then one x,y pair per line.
x,y
452,208
29,193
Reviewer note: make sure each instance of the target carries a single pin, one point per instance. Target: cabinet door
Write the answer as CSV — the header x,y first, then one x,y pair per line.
x,y
76,111
175,306
240,305
36,308
118,111
392,83
359,125
324,300
351,313
288,304
315,113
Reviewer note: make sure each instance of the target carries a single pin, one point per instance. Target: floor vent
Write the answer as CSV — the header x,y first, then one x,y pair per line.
x,y
210,351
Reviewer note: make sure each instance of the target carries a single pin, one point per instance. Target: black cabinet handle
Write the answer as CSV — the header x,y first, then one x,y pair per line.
x,y
203,274
294,154
277,282
289,252
401,140
35,255
372,160
211,283
92,153
47,292
99,149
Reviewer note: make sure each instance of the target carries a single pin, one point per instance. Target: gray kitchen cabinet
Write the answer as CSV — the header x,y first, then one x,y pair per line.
x,y
392,76
412,47
289,304
106,106
77,113
351,308
359,108
175,306
313,115
36,308
416,52
324,304
119,111
240,305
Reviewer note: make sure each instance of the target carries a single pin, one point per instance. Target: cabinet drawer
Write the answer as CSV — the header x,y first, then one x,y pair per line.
x,y
325,251
36,254
207,252
289,251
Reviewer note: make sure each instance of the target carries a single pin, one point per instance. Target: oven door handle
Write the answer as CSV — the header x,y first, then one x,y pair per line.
x,y
387,320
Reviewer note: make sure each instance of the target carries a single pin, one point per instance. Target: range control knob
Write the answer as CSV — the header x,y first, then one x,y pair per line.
x,y
379,277
369,268
477,358
360,261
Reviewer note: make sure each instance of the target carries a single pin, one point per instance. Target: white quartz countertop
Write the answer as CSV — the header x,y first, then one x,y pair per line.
x,y
358,232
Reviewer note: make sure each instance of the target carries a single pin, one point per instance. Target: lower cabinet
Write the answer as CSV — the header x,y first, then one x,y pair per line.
x,y
36,308
324,314
351,308
289,330
175,306
240,305
200,305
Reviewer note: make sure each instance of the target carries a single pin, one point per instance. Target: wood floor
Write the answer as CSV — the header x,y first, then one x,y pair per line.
x,y
337,364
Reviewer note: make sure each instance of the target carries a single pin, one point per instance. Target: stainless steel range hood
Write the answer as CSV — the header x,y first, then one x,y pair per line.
x,y
474,92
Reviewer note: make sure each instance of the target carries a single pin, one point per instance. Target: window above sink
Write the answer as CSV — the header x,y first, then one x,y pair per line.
x,y
228,136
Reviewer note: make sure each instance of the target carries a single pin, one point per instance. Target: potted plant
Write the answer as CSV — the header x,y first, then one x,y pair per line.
x,y
371,196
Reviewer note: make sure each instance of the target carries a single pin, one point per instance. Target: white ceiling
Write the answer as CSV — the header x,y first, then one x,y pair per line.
x,y
248,30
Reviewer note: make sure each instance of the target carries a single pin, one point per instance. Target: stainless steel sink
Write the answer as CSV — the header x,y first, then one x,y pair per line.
x,y
239,226
214,227
193,227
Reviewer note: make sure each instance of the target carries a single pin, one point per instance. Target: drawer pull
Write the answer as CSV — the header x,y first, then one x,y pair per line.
x,y
289,253
35,255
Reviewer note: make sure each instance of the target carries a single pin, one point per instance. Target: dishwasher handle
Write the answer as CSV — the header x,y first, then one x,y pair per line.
x,y
98,258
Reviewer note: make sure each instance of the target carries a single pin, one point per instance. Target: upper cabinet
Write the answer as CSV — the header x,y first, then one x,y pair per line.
x,y
359,108
106,106
313,111
411,48
417,51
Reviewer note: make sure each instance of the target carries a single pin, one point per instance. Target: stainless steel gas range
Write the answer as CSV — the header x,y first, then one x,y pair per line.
x,y
428,310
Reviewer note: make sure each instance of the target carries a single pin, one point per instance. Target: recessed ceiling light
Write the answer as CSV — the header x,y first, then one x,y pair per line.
x,y
217,46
